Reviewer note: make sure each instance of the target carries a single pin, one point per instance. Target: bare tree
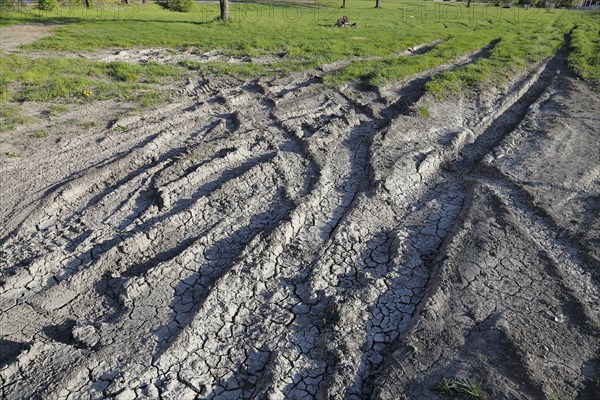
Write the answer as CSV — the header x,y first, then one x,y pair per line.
x,y
224,6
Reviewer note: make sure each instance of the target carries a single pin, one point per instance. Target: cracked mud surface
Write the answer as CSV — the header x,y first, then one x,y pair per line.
x,y
279,239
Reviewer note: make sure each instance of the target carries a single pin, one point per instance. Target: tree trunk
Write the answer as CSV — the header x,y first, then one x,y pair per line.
x,y
468,3
224,6
377,3
87,3
343,3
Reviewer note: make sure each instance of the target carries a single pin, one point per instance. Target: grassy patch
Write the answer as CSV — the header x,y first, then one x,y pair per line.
x,y
11,116
378,72
465,388
77,80
514,53
196,156
55,110
87,124
152,99
584,58
122,71
304,37
424,112
41,134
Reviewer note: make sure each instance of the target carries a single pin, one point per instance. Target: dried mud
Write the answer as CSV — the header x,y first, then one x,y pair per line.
x,y
11,37
279,239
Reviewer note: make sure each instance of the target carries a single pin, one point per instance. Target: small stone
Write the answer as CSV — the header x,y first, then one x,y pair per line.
x,y
86,335
559,318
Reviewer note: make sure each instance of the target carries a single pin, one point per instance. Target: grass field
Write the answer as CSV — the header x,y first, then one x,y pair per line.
x,y
300,37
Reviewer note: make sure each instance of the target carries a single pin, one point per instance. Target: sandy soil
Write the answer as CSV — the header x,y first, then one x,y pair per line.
x,y
11,37
278,239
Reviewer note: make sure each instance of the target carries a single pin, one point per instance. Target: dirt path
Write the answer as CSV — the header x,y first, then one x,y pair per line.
x,y
11,37
278,239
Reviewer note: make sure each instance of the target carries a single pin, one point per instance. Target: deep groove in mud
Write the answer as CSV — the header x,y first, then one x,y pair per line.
x,y
516,109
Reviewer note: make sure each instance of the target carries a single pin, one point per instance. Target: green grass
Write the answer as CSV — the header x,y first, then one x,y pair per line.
x,y
55,110
196,156
11,116
152,99
293,31
254,29
39,134
87,124
515,52
379,72
295,38
585,51
465,388
77,80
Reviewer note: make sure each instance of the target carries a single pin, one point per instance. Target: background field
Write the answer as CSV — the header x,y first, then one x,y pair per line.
x,y
296,38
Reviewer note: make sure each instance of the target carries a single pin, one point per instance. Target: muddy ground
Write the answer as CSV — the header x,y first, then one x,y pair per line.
x,y
280,239
11,37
